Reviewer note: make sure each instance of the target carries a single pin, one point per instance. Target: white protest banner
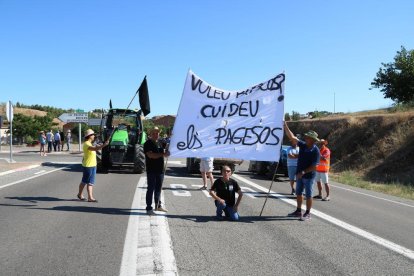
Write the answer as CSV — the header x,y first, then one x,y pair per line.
x,y
212,122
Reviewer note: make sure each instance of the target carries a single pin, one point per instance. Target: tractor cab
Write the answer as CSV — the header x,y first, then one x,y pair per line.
x,y
124,130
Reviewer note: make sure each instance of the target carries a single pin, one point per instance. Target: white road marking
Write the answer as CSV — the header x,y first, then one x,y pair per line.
x,y
179,190
180,177
148,247
353,229
39,172
249,192
205,192
376,197
172,162
19,169
32,177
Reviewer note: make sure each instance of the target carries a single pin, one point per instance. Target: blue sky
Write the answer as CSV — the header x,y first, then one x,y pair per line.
x,y
79,54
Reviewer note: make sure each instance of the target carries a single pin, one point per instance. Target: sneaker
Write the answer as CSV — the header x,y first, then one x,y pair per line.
x,y
305,217
293,192
297,214
317,197
326,198
160,209
150,212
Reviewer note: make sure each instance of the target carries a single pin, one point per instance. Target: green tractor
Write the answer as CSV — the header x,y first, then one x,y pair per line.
x,y
124,130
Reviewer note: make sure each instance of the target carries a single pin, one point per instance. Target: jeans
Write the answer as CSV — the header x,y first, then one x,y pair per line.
x,y
154,181
307,184
68,146
228,211
49,146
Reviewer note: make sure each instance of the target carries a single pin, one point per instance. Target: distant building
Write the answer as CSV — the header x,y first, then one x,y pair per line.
x,y
164,120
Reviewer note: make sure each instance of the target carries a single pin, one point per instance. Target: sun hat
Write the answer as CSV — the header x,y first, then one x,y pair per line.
x,y
88,133
155,129
323,142
312,134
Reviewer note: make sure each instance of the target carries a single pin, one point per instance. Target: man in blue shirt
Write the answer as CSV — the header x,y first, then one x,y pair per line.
x,y
305,173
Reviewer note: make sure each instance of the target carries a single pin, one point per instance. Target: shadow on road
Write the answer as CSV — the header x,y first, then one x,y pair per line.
x,y
243,219
96,210
36,199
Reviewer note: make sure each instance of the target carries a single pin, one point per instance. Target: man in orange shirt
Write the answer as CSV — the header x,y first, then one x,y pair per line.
x,y
322,170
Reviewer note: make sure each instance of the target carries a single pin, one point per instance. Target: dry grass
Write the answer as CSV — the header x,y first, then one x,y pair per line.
x,y
354,179
24,111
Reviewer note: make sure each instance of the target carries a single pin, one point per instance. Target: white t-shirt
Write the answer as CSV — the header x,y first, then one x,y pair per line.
x,y
292,162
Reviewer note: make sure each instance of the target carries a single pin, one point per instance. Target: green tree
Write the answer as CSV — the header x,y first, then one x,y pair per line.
x,y
396,79
287,116
24,126
295,116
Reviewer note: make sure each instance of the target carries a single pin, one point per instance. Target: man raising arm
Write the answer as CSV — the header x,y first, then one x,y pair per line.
x,y
305,173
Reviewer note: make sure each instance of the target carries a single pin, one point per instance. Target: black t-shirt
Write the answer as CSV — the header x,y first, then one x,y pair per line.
x,y
226,190
153,165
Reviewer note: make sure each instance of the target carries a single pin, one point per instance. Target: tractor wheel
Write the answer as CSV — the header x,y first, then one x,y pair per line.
x,y
104,163
139,159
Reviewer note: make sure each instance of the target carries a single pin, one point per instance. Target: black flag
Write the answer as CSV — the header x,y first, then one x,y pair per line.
x,y
110,104
144,101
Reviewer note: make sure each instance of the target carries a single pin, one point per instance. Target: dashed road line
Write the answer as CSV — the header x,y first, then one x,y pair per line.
x,y
19,170
353,229
39,172
148,247
32,177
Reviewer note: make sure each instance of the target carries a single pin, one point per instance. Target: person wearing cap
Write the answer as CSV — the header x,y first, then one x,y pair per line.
x,y
89,165
322,170
42,141
68,140
305,173
154,162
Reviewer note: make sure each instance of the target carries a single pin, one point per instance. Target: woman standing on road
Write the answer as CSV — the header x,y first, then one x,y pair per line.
x,y
42,140
89,165
206,170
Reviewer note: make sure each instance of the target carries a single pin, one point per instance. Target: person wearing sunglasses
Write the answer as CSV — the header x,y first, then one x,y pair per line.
x,y
224,192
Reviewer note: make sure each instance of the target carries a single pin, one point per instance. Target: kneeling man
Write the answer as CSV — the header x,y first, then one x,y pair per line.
x,y
224,192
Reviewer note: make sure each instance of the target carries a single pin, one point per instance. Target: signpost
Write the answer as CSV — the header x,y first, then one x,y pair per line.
x,y
81,117
1,133
10,114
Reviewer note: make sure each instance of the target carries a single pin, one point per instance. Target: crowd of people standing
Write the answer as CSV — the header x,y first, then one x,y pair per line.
x,y
55,141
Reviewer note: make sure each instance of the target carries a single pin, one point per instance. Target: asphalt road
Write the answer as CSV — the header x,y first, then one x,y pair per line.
x,y
46,231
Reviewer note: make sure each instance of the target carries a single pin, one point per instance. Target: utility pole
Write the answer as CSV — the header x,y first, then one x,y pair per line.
x,y
80,136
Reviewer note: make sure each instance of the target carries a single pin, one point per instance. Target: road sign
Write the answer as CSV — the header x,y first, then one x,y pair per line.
x,y
80,111
9,111
95,122
74,117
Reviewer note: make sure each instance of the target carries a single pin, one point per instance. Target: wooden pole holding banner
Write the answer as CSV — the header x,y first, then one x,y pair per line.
x,y
270,188
162,182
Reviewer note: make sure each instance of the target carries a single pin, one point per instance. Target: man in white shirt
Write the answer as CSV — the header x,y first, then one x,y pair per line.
x,y
57,141
292,163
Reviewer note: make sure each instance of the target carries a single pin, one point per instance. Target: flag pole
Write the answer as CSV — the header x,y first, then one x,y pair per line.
x,y
270,188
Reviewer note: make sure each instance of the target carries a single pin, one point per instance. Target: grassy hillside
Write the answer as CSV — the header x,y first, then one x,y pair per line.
x,y
378,146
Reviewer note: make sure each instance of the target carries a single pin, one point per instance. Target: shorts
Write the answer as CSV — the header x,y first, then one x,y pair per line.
x,y
206,166
88,176
292,172
322,177
305,184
